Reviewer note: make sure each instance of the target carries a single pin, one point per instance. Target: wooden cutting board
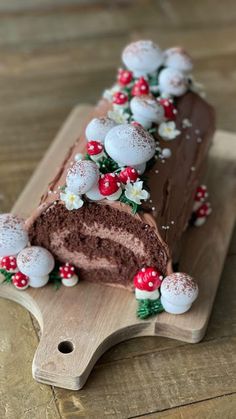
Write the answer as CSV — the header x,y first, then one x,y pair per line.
x,y
80,323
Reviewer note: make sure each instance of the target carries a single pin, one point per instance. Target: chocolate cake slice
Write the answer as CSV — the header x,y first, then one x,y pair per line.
x,y
116,227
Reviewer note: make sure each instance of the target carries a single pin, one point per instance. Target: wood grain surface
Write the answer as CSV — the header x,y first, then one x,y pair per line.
x,y
54,54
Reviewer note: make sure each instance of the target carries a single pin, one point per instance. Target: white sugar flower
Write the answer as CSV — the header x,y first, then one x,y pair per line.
x,y
135,192
71,200
168,131
119,116
108,93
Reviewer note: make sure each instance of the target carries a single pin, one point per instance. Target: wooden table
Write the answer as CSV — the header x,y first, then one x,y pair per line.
x,y
54,54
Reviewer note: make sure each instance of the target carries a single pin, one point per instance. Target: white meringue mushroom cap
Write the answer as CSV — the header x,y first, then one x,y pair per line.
x,y
179,59
13,235
82,176
173,82
142,57
129,145
179,289
147,107
35,261
98,128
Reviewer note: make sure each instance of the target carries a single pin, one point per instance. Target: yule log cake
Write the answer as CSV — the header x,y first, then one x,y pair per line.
x,y
125,192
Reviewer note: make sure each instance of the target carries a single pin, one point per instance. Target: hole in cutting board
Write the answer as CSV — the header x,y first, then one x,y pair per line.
x,y
65,347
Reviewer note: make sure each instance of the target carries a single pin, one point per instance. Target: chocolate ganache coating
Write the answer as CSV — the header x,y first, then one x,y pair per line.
x,y
104,239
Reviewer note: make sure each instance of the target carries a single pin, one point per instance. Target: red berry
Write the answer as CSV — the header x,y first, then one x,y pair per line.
x,y
66,271
8,263
169,108
108,184
94,148
141,87
148,279
120,98
124,77
129,173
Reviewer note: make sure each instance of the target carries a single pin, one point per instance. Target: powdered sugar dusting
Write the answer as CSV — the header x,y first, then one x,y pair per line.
x,y
13,235
180,284
139,47
35,260
82,176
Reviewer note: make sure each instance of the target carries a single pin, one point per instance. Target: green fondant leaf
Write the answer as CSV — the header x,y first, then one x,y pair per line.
x,y
54,277
8,276
87,157
135,207
148,308
62,188
107,165
156,306
143,309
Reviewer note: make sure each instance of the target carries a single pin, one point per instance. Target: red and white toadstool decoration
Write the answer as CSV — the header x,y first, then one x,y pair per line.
x,y
95,150
120,98
68,275
124,77
140,87
9,264
136,124
146,282
20,281
169,108
128,174
201,214
109,186
200,197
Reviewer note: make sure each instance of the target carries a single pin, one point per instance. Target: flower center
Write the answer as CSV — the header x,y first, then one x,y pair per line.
x,y
135,192
72,198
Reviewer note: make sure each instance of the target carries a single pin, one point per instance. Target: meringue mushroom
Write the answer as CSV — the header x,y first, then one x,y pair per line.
x,y
36,262
130,145
94,193
142,57
98,128
147,110
178,59
172,82
82,176
140,168
178,292
13,235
